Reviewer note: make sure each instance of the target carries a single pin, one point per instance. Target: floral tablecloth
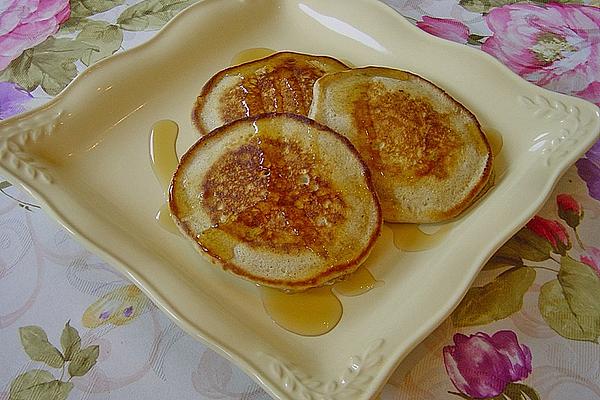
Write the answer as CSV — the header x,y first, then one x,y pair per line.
x,y
72,327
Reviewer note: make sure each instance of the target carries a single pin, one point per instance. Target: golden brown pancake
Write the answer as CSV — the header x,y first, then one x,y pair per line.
x,y
427,154
277,199
281,82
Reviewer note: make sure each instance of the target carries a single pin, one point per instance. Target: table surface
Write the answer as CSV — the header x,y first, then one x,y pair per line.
x,y
530,324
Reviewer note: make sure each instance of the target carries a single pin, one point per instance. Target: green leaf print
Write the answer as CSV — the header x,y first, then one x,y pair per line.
x,y
49,64
484,6
475,40
5,184
74,24
53,390
85,8
496,300
70,341
38,348
21,71
39,384
529,246
518,391
513,391
507,256
22,385
84,360
571,304
102,40
151,14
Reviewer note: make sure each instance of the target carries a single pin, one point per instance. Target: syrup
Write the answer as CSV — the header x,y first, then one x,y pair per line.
x,y
495,140
164,219
357,283
164,161
310,313
218,243
163,155
251,55
412,237
496,143
315,311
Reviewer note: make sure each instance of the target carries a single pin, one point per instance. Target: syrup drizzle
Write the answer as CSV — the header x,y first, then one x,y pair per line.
x,y
496,143
164,219
164,161
495,140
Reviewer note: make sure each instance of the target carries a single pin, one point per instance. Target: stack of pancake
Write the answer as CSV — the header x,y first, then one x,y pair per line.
x,y
301,158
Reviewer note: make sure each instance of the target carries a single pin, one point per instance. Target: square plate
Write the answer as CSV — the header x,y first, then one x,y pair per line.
x,y
85,156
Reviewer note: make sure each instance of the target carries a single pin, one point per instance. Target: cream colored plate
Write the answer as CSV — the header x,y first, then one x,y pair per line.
x,y
85,156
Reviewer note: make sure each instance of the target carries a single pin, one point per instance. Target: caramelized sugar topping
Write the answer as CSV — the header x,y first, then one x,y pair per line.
x,y
402,135
285,87
267,193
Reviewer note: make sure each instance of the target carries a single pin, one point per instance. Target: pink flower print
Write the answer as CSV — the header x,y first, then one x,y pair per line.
x,y
569,210
26,23
445,28
591,93
592,258
554,45
480,366
552,231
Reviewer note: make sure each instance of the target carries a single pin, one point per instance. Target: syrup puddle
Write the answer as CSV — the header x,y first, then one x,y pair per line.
x,y
413,237
310,313
315,311
251,55
359,282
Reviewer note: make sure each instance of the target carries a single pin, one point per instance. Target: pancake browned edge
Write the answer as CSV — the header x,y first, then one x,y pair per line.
x,y
281,82
427,154
277,199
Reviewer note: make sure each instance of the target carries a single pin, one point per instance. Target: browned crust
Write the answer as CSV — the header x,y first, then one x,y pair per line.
x,y
209,85
487,173
318,280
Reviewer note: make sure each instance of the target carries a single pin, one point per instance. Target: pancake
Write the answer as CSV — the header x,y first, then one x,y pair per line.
x,y
281,82
277,199
427,154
